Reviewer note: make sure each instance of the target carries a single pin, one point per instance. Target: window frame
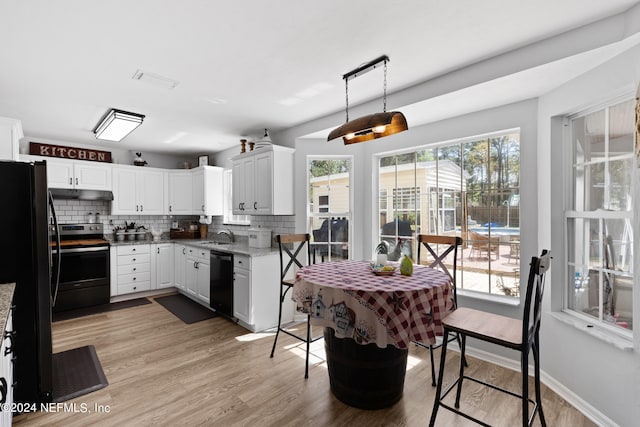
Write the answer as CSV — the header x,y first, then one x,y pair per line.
x,y
478,294
329,214
600,215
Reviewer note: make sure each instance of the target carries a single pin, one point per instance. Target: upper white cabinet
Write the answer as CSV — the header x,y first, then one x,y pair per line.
x,y
263,182
180,193
10,134
207,192
75,174
138,191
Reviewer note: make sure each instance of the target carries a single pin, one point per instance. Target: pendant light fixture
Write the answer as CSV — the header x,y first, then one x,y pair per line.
x,y
373,126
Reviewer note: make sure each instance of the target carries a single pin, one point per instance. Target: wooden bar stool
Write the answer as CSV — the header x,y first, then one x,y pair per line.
x,y
521,335
439,248
290,256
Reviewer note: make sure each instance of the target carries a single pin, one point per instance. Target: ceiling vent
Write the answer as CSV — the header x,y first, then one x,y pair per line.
x,y
155,79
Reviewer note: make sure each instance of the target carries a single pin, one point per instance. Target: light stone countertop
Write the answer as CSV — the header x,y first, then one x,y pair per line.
x,y
239,248
6,300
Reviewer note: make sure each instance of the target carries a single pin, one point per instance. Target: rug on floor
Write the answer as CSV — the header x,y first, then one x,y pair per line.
x,y
96,309
185,309
77,372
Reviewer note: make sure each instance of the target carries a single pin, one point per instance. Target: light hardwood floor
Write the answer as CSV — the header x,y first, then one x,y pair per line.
x,y
215,373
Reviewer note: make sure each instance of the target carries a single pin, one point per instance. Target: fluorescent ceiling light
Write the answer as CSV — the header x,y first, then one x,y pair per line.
x,y
117,124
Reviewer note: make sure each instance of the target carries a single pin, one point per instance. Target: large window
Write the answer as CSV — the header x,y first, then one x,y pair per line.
x,y
468,188
329,207
598,219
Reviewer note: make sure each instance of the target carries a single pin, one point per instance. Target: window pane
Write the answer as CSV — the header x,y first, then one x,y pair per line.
x,y
620,188
329,208
589,137
476,164
621,125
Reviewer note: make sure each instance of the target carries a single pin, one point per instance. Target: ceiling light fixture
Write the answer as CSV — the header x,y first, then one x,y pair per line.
x,y
117,124
373,126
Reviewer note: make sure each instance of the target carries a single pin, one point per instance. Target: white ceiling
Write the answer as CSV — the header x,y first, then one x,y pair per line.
x,y
249,64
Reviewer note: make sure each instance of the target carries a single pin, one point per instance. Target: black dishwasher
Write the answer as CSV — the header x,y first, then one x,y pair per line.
x,y
221,283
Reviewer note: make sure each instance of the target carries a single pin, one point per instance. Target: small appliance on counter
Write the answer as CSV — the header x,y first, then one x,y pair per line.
x,y
259,237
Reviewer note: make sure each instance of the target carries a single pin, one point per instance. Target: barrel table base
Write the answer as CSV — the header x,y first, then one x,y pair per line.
x,y
364,376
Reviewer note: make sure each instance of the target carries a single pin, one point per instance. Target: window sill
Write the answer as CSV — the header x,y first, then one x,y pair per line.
x,y
621,343
498,299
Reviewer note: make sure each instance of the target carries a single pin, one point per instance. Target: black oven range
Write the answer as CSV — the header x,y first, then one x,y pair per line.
x,y
84,267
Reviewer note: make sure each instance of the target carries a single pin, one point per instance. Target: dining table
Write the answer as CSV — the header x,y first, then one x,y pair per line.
x,y
370,318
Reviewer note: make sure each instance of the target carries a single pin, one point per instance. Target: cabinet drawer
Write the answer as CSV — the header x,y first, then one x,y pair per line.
x,y
124,279
137,267
242,261
133,249
200,254
134,287
133,259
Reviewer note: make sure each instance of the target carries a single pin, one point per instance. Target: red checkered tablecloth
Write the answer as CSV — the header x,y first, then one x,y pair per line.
x,y
396,310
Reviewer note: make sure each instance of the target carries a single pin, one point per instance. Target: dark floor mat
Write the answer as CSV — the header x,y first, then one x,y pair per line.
x,y
184,309
77,372
96,309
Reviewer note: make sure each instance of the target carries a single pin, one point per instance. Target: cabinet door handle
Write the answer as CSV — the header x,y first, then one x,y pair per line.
x,y
133,260
195,264
134,269
135,287
77,181
134,279
141,208
202,208
158,250
136,208
184,251
70,181
255,207
133,249
170,208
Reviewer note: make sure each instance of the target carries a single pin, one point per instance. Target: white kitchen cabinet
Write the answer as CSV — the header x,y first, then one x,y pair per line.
x,y
197,273
78,175
7,357
179,262
207,194
263,182
242,288
242,179
10,134
130,269
180,192
162,265
138,191
255,292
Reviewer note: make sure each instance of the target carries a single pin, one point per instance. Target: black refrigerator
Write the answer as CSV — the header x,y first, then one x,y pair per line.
x,y
25,258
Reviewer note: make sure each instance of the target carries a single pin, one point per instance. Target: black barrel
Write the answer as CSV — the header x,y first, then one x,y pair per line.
x,y
364,376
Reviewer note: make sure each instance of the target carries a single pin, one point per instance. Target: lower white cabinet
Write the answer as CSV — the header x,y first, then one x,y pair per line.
x,y
197,273
179,262
6,371
256,288
162,265
130,269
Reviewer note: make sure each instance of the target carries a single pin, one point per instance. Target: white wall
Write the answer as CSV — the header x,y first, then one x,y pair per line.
x,y
605,377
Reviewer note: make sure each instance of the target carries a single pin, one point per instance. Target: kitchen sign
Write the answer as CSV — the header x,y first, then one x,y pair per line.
x,y
73,153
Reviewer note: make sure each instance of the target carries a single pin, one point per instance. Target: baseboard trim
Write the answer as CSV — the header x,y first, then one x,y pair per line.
x,y
560,389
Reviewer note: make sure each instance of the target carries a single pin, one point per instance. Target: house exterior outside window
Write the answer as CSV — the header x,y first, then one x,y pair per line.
x,y
329,207
599,216
468,188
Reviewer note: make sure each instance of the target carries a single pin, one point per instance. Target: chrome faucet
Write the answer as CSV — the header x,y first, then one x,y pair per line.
x,y
227,233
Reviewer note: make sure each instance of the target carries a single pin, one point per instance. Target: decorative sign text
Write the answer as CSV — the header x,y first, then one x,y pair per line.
x,y
74,153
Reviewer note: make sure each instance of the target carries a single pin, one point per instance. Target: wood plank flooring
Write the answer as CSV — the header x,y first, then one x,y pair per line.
x,y
215,373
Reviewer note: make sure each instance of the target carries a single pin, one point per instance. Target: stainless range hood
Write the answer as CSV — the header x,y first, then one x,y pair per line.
x,y
65,193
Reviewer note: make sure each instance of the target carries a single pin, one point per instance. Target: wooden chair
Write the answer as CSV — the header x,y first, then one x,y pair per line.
x,y
298,243
432,244
481,243
520,335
